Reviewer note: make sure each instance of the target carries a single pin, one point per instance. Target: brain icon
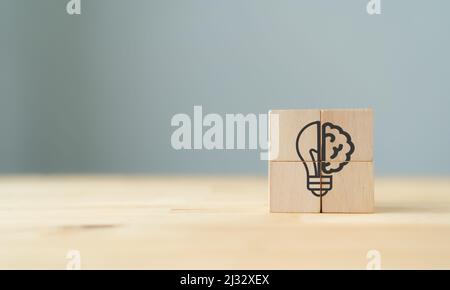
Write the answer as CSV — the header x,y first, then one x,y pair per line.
x,y
337,148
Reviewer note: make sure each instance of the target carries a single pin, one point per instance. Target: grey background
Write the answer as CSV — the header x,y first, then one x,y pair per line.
x,y
95,93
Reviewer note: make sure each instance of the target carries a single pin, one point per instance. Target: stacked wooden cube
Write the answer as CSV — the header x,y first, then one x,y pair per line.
x,y
321,161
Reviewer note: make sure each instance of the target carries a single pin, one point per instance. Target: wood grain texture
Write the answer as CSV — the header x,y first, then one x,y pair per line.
x,y
214,223
287,188
291,123
353,190
359,124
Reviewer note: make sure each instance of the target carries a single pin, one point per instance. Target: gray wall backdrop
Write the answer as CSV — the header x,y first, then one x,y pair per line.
x,y
96,92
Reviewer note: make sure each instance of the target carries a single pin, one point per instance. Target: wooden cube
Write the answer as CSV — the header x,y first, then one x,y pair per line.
x,y
286,125
351,189
323,161
354,126
288,188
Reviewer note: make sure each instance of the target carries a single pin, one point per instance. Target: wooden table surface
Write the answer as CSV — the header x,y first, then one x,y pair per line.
x,y
213,223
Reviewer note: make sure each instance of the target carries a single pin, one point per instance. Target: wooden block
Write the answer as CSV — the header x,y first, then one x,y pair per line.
x,y
288,188
290,124
351,189
347,134
321,161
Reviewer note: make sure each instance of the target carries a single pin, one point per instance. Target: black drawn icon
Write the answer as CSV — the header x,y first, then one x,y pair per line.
x,y
331,143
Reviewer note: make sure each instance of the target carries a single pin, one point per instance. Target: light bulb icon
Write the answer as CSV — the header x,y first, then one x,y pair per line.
x,y
331,143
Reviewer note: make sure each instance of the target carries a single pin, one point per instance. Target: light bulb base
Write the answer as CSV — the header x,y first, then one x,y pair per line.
x,y
313,184
319,185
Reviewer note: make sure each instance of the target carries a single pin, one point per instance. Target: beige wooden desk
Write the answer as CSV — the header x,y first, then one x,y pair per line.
x,y
207,222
